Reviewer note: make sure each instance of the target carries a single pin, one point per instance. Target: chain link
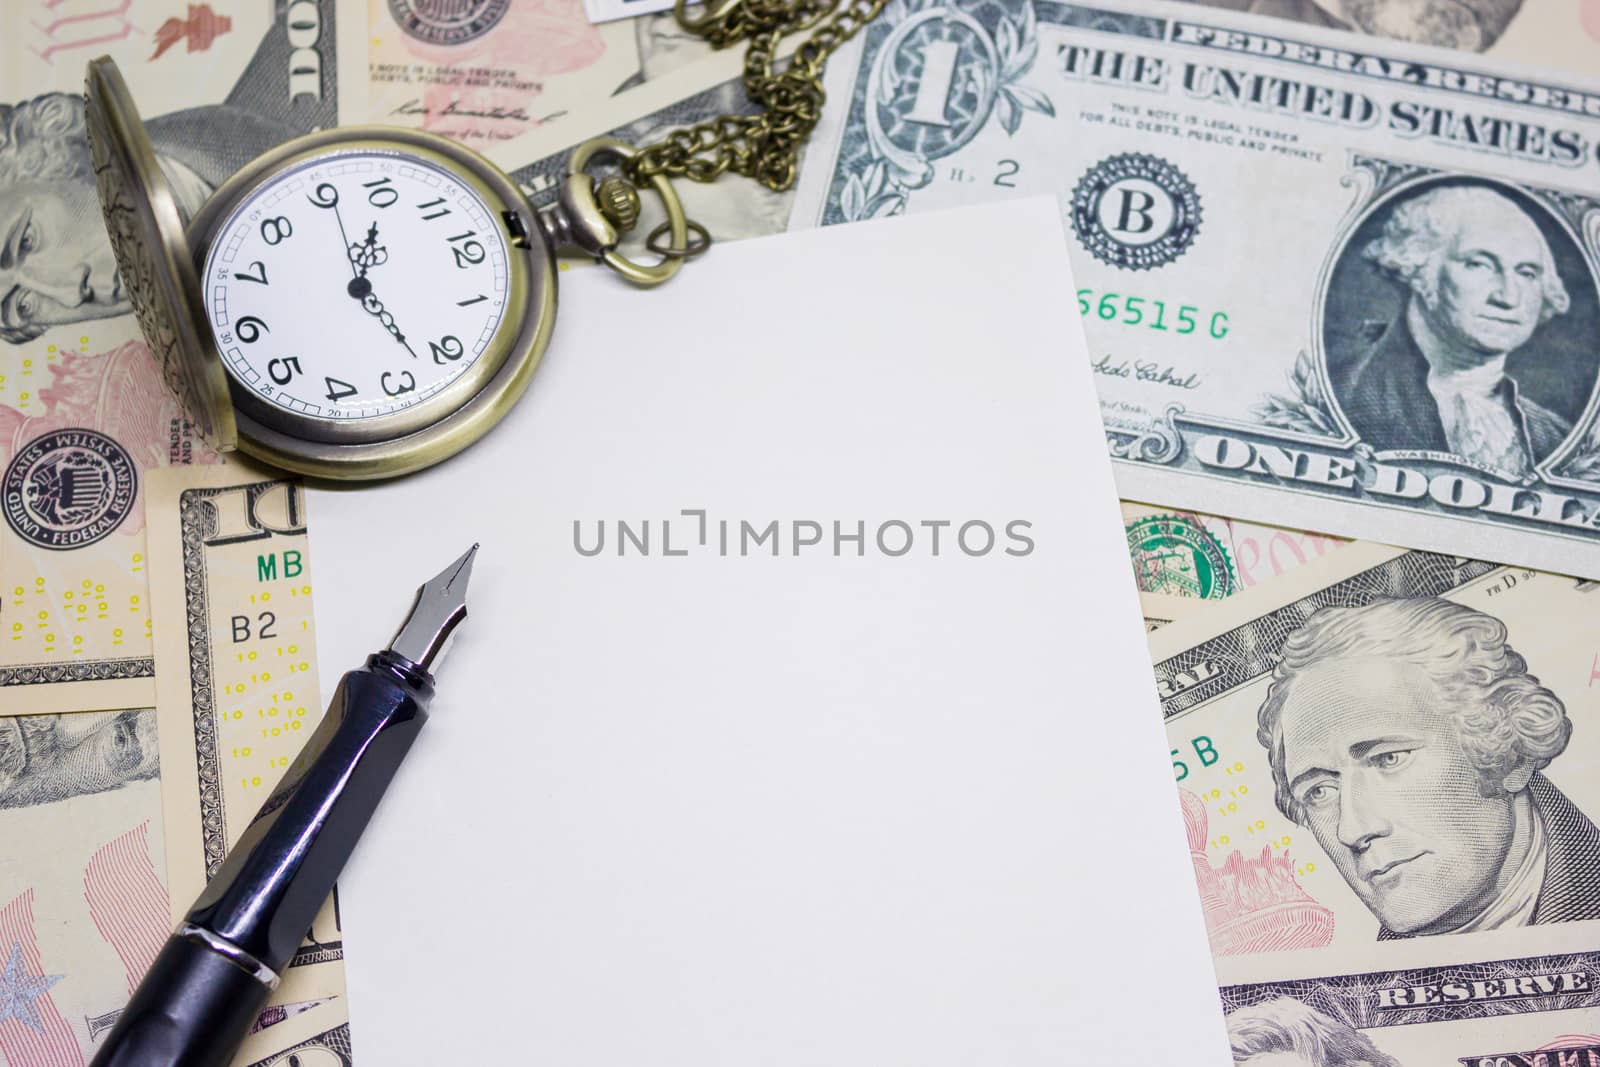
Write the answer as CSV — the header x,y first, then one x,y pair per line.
x,y
764,146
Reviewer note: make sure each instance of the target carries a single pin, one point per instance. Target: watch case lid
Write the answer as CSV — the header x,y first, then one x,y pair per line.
x,y
158,273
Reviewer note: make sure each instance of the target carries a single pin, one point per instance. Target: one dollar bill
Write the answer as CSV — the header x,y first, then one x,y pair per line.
x,y
1330,282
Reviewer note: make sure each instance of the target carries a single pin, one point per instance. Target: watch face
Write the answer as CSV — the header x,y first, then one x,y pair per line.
x,y
356,285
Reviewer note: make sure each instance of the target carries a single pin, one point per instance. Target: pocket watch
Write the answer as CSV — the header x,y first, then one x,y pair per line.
x,y
358,302
366,301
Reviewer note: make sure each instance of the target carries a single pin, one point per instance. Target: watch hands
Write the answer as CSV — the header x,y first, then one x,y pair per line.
x,y
333,202
375,308
364,256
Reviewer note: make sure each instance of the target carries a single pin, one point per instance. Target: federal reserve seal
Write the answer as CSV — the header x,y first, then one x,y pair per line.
x,y
1135,211
447,21
68,488
1176,555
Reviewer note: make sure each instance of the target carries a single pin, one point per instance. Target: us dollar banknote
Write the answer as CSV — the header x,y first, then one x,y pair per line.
x,y
1323,728
237,690
84,906
1336,1021
83,899
1329,282
1184,560
1549,33
1386,763
84,413
1192,555
487,71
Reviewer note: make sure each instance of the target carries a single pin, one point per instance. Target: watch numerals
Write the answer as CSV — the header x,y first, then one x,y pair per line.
x,y
448,350
249,328
409,386
466,250
282,371
381,192
275,229
260,277
253,325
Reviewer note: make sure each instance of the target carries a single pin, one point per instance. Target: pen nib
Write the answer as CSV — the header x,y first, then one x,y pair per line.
x,y
440,606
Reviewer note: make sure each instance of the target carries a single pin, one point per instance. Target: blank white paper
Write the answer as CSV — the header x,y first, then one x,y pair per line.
x,y
721,807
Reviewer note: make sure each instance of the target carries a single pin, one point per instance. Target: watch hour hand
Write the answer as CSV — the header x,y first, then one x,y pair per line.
x,y
364,255
368,253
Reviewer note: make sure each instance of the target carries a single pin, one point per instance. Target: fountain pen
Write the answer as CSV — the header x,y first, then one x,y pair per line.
x,y
212,978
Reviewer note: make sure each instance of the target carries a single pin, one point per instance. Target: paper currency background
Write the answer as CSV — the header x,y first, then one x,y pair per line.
x,y
82,415
83,900
237,688
1279,237
1281,230
1384,761
1199,161
1553,35
216,87
84,883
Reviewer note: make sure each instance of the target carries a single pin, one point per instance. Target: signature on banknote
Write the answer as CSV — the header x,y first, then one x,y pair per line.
x,y
415,108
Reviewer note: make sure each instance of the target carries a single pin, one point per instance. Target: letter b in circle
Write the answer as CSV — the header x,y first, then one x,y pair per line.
x,y
1136,211
1135,215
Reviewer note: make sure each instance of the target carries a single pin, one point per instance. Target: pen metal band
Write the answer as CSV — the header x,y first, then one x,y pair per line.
x,y
238,956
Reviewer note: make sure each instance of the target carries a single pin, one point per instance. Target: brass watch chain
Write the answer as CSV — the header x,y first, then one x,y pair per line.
x,y
764,146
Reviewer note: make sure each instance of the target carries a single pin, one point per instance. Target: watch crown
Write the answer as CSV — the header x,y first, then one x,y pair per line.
x,y
618,201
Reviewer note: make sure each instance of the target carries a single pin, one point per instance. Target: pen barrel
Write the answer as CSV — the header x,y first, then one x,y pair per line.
x,y
270,887
192,1009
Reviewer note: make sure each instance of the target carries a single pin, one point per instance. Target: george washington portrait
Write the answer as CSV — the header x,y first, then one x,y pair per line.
x,y
1470,341
1468,362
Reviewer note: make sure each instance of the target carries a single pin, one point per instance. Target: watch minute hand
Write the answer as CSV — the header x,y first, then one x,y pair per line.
x,y
338,218
374,307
